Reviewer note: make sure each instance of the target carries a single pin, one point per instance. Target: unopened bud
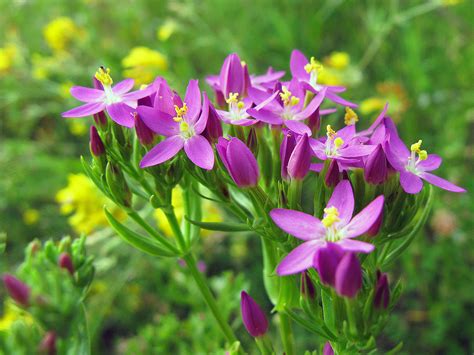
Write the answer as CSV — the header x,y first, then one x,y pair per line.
x,y
65,262
19,291
96,146
48,344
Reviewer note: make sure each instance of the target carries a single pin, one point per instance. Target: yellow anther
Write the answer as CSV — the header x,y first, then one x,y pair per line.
x,y
294,101
313,65
103,75
330,132
422,155
350,117
233,98
240,105
242,63
332,216
338,142
415,147
180,112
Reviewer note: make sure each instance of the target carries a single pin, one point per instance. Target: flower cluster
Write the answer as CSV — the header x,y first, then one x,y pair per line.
x,y
271,152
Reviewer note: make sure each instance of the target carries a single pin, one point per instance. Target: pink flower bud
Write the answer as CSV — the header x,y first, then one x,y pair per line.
x,y
96,145
65,262
19,291
348,277
253,317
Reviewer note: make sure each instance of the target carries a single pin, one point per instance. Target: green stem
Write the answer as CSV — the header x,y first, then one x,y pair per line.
x,y
209,298
286,334
351,316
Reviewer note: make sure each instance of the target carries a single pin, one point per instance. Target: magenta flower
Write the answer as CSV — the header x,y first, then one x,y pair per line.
x,y
414,166
65,262
286,107
182,123
253,317
95,143
239,161
337,226
307,72
327,350
18,290
326,261
116,100
348,277
382,291
342,146
295,154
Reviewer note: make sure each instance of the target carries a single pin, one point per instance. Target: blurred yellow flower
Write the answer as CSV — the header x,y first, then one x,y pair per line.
x,y
11,314
339,71
210,213
390,92
166,30
7,57
144,64
61,32
85,202
78,127
45,66
31,216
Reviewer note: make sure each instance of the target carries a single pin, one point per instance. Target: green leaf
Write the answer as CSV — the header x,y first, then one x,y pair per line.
x,y
223,227
138,241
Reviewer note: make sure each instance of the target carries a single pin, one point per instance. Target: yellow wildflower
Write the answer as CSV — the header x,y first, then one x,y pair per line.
x,y
166,30
210,213
78,127
31,216
7,57
339,71
390,92
85,202
338,60
144,64
61,32
11,314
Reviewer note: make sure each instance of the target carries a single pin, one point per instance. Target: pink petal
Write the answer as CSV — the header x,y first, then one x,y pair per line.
x,y
193,101
139,94
123,87
203,117
300,258
266,116
312,106
410,182
356,246
298,127
365,219
299,224
339,100
121,113
297,63
85,110
162,152
355,151
87,94
199,151
442,183
159,122
432,162
343,199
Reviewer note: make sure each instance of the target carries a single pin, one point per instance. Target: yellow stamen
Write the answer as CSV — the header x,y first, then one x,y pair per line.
x,y
242,63
422,155
338,142
287,98
233,98
330,132
332,216
184,126
415,147
180,112
350,117
103,75
240,105
313,65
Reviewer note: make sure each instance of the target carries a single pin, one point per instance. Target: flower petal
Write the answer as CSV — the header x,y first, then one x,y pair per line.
x,y
199,151
343,199
121,113
339,100
162,151
365,219
299,224
432,162
298,127
203,117
193,101
355,151
87,94
297,63
300,258
312,106
356,246
159,122
85,110
123,87
410,182
266,116
442,183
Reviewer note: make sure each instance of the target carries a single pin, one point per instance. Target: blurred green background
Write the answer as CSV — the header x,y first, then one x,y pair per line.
x,y
418,55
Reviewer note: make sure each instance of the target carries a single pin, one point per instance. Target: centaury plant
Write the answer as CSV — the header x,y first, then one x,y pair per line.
x,y
334,205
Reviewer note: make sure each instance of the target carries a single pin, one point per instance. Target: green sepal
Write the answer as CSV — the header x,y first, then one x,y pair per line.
x,y
220,226
136,240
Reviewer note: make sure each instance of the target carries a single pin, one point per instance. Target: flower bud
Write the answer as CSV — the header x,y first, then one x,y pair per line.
x,y
382,291
19,291
300,159
96,146
48,344
348,279
145,135
307,287
375,228
65,262
314,122
253,317
117,185
326,261
327,350
232,76
286,148
333,176
239,161
252,142
213,128
100,119
376,170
